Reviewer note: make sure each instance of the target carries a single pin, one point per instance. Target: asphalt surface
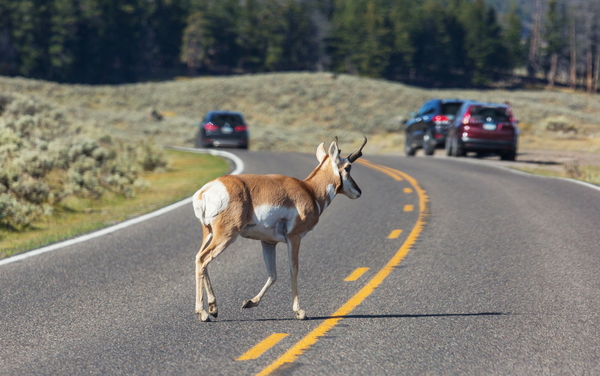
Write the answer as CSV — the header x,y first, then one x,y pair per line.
x,y
503,279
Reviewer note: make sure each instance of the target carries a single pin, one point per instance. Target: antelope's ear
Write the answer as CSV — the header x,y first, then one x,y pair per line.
x,y
321,153
334,151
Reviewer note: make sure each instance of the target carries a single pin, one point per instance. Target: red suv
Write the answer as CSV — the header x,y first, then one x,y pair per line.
x,y
484,128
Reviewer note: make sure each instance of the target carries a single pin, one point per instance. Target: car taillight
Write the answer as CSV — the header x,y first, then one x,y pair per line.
x,y
211,127
508,127
467,119
240,128
441,119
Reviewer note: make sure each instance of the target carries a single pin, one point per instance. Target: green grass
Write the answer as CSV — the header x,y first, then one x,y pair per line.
x,y
77,216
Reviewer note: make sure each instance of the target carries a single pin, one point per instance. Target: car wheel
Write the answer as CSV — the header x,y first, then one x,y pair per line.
x,y
409,149
428,143
457,149
508,155
448,146
200,143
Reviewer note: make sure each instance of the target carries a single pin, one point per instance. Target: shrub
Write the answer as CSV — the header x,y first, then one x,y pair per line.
x,y
37,141
17,214
559,124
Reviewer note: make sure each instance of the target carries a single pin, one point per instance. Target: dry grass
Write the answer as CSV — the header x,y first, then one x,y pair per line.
x,y
588,174
282,109
288,112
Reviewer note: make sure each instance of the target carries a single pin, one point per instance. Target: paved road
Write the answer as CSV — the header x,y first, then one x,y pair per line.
x,y
503,278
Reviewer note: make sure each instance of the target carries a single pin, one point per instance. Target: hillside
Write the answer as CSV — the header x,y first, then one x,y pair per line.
x,y
296,111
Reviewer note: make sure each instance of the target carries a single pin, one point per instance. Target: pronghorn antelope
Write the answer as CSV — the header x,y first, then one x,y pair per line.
x,y
270,208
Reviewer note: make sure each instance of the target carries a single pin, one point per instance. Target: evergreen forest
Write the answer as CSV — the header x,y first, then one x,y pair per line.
x,y
433,43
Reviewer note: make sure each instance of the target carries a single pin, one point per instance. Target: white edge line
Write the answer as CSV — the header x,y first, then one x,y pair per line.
x,y
519,172
239,168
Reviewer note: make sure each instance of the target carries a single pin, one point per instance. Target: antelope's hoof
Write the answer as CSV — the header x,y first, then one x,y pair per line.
x,y
213,310
204,316
249,304
301,315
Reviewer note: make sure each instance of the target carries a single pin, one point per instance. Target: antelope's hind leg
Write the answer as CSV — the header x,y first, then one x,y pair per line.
x,y
210,296
215,243
270,262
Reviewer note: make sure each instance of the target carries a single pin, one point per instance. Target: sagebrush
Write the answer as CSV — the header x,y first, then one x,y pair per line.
x,y
45,157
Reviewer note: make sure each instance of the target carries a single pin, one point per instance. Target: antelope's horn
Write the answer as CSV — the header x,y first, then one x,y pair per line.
x,y
357,153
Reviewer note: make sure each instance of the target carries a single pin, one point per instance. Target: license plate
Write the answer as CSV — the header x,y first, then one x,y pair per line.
x,y
226,129
489,127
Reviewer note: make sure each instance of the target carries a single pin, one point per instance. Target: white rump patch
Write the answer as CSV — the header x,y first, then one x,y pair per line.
x,y
209,201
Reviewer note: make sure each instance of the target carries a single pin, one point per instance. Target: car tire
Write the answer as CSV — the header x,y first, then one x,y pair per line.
x,y
409,149
200,141
457,149
448,146
508,155
428,143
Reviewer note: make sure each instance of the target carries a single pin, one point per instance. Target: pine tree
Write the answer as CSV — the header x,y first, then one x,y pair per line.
x,y
193,46
556,37
63,39
30,35
401,16
8,53
222,31
513,36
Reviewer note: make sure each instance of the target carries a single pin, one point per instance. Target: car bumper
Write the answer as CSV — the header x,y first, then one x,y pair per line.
x,y
220,141
474,144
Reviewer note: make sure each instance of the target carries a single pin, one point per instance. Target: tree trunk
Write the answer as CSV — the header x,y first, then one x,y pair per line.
x,y
534,45
552,72
596,69
589,71
573,48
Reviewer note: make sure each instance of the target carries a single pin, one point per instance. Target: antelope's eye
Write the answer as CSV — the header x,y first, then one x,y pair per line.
x,y
347,168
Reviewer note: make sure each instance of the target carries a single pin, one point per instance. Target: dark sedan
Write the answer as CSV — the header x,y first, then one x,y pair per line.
x,y
223,128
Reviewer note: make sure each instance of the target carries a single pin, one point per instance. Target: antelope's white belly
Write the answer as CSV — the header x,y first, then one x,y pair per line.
x,y
270,223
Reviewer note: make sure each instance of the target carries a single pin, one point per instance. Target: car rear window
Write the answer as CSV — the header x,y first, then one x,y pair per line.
x,y
221,119
495,114
450,108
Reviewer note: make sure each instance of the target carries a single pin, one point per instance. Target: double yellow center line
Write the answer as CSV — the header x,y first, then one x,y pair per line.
x,y
300,347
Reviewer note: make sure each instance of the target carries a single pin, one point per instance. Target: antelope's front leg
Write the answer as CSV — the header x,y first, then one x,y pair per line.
x,y
293,243
270,256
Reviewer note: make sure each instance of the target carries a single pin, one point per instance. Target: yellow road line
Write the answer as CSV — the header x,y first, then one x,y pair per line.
x,y
409,208
311,338
356,274
386,170
394,234
408,190
263,346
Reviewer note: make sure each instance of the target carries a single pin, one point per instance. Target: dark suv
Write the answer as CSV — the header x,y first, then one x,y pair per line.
x,y
223,128
428,127
484,128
